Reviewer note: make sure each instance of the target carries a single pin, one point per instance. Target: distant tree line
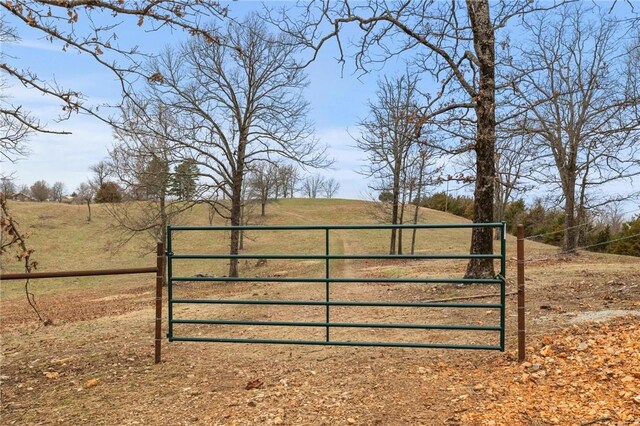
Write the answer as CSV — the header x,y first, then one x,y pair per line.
x,y
39,191
605,231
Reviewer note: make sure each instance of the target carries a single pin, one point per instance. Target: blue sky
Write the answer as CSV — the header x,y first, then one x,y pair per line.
x,y
336,104
338,99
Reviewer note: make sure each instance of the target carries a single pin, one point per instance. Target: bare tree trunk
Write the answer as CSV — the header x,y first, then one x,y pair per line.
x,y
570,241
236,205
394,220
241,244
234,244
417,202
401,219
484,41
499,208
394,208
89,207
164,219
413,234
582,212
211,213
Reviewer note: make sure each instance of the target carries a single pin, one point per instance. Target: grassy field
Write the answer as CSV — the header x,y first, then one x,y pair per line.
x,y
94,364
64,240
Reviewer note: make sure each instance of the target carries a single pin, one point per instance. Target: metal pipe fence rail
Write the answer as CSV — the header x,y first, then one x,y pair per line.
x,y
158,270
328,280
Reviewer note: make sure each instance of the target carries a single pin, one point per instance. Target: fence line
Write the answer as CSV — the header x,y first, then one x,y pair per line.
x,y
158,270
542,259
81,273
603,243
571,227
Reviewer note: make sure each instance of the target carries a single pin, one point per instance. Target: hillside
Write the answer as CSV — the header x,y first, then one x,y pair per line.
x,y
94,364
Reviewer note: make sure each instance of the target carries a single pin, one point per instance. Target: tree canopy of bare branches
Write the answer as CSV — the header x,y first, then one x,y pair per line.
x,y
143,165
312,185
262,183
89,28
580,104
233,104
388,136
453,42
331,187
85,193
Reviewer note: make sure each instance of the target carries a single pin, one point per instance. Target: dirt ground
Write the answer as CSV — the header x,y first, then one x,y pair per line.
x,y
94,365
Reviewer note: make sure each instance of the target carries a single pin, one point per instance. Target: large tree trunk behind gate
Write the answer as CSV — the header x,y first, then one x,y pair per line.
x,y
484,43
570,241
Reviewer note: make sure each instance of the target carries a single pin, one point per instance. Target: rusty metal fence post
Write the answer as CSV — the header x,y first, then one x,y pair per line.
x,y
158,270
521,303
159,279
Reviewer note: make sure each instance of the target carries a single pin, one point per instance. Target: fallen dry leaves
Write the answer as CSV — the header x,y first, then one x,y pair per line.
x,y
254,384
52,374
91,383
583,375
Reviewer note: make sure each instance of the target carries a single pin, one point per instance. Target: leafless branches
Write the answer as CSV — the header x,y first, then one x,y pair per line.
x,y
89,27
143,164
579,103
388,137
331,187
232,105
452,42
12,238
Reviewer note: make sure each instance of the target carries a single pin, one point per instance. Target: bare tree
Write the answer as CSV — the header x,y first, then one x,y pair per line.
x,y
101,171
142,165
613,216
388,137
515,159
57,191
289,178
24,189
246,212
580,110
15,124
87,28
234,104
454,42
312,185
423,173
40,191
331,187
7,186
514,163
85,193
261,183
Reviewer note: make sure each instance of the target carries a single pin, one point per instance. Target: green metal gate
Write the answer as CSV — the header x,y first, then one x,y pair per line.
x,y
327,325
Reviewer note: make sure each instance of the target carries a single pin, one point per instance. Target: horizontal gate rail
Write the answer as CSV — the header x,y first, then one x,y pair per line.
x,y
336,256
496,225
327,280
340,324
341,303
158,270
345,280
338,343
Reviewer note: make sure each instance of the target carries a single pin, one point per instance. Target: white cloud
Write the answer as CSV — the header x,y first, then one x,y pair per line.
x,y
37,45
64,158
